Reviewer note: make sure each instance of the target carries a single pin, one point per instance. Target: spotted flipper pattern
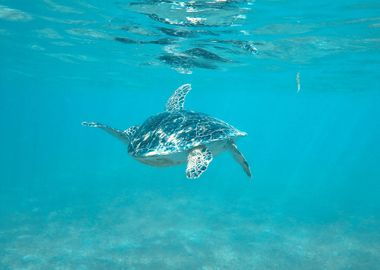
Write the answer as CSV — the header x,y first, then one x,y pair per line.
x,y
177,101
197,162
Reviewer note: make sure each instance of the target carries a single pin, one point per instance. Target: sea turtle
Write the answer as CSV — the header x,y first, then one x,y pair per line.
x,y
178,136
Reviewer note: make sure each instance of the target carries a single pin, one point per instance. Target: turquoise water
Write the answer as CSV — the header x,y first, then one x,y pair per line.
x,y
301,78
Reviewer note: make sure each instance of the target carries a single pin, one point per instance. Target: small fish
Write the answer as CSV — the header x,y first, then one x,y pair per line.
x,y
298,81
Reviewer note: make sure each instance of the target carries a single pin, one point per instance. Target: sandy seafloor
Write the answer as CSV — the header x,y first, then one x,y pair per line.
x,y
151,231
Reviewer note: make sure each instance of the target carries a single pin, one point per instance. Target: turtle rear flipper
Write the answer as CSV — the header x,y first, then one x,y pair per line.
x,y
197,162
124,136
238,156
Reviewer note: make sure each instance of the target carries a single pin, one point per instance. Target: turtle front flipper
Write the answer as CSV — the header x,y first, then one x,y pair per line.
x,y
197,162
124,136
177,101
238,156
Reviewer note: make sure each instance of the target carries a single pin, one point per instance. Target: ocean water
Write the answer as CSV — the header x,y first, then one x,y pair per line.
x,y
300,77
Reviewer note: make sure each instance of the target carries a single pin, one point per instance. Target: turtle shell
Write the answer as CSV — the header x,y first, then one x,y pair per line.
x,y
173,132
